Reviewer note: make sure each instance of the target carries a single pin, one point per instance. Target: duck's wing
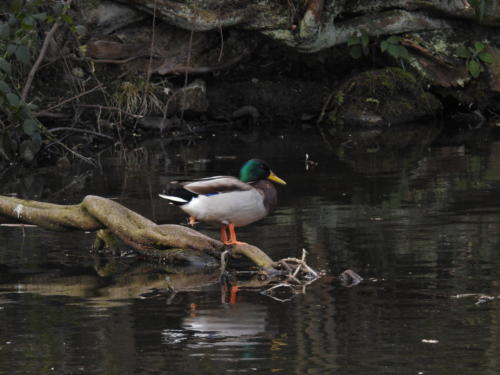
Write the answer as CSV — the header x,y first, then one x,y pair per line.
x,y
215,185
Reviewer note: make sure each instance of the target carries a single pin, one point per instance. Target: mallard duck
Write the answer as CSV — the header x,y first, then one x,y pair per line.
x,y
227,201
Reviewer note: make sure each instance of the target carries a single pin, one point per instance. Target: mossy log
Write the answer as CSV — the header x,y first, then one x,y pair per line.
x,y
170,243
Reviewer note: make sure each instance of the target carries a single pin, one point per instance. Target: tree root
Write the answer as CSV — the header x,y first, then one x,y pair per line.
x,y
166,243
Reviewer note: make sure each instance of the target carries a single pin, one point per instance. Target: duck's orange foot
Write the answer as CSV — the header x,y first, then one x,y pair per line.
x,y
232,237
234,242
192,221
232,296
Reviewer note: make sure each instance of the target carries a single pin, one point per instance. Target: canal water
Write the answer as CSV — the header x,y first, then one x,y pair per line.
x,y
419,224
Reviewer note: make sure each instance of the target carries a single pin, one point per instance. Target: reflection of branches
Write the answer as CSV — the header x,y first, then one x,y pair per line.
x,y
481,298
116,277
298,276
76,184
292,274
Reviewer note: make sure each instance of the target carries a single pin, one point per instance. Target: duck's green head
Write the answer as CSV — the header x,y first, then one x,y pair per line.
x,y
255,169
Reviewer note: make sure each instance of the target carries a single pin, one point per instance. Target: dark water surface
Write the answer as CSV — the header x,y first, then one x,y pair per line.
x,y
421,227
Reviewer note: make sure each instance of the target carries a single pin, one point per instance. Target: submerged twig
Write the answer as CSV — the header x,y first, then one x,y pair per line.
x,y
298,275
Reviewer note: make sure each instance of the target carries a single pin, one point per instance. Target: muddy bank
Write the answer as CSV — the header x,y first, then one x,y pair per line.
x,y
117,73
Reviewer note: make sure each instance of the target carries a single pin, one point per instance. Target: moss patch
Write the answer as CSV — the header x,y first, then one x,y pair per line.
x,y
382,97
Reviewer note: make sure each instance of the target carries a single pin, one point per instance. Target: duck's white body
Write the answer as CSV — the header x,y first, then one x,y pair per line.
x,y
237,207
225,200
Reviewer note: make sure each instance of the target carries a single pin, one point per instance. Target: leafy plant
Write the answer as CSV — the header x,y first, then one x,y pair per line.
x,y
358,44
21,26
475,57
393,47
18,36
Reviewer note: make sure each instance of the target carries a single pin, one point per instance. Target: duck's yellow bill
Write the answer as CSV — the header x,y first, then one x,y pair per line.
x,y
275,178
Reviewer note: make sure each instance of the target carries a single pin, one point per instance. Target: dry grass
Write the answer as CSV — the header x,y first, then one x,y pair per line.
x,y
139,97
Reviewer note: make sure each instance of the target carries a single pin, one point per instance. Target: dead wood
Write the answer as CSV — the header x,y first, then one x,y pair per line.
x,y
168,242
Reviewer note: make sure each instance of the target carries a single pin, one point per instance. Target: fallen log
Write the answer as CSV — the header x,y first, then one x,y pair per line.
x,y
168,242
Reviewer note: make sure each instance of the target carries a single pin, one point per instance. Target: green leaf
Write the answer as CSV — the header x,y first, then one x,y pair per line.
x,y
353,40
12,20
4,30
393,50
403,52
11,49
40,16
67,18
37,138
24,112
23,54
355,51
365,39
4,65
474,68
478,46
29,21
462,52
13,99
394,39
4,87
30,126
384,45
485,57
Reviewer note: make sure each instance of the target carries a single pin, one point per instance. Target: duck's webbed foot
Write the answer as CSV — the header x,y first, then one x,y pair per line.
x,y
232,235
192,221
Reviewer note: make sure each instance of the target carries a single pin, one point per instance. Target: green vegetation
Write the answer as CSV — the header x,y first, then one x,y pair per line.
x,y
475,57
393,47
22,26
18,36
358,44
